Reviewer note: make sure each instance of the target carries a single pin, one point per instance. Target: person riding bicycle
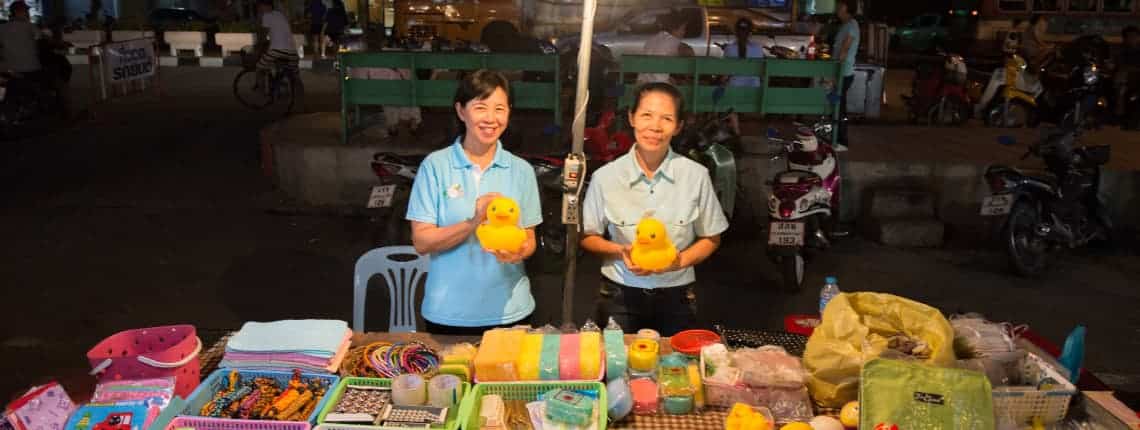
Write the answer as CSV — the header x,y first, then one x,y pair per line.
x,y
282,52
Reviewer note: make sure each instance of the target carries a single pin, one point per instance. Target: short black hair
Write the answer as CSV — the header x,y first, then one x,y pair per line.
x,y
266,3
671,20
1129,30
849,4
479,85
658,87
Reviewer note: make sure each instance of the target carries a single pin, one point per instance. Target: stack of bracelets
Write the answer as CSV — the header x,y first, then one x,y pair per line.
x,y
387,360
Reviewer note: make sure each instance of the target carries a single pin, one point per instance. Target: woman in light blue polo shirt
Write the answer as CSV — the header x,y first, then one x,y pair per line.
x,y
470,289
678,192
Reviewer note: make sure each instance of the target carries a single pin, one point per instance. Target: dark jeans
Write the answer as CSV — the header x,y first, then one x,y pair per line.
x,y
434,328
847,81
667,310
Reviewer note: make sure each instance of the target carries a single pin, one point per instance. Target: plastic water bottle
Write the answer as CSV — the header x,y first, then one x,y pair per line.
x,y
829,291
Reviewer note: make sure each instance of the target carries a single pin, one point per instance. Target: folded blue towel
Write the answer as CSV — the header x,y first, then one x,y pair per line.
x,y
320,338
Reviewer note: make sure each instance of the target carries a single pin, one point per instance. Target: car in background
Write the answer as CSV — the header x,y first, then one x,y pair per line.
x,y
923,33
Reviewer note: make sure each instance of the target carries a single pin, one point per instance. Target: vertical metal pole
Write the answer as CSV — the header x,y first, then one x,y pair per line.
x,y
578,132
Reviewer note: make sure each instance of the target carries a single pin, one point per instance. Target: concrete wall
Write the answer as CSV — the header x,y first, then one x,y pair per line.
x,y
313,167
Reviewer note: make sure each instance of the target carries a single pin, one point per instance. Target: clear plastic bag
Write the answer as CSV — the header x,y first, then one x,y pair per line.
x,y
769,366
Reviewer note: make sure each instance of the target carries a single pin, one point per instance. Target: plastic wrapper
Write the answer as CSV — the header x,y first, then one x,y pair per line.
x,y
769,366
673,376
1003,369
787,404
975,337
718,365
859,327
460,353
617,358
498,354
590,326
155,392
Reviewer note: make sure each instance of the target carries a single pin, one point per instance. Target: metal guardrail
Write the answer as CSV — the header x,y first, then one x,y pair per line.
x,y
441,93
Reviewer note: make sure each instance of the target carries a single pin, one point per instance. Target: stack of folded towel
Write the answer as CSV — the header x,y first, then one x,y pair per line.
x,y
313,346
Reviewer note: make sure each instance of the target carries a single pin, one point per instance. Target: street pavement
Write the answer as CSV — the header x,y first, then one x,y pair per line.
x,y
157,212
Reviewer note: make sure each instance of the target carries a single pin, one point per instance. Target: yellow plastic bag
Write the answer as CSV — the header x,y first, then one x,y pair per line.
x,y
859,327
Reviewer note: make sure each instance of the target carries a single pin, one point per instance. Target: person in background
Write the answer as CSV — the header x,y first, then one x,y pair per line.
x,y
282,51
1127,65
743,47
336,20
470,289
21,47
847,42
1034,48
666,42
316,12
678,192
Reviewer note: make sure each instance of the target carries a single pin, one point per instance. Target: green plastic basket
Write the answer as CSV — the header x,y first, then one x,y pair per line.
x,y
453,413
529,391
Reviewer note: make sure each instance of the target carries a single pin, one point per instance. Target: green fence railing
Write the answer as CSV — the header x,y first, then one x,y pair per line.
x,y
787,86
441,93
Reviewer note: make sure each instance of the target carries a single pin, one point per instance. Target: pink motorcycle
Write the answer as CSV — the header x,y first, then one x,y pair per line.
x,y
804,198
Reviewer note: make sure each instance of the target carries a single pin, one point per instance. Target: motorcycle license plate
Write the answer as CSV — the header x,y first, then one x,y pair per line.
x,y
381,196
786,233
997,204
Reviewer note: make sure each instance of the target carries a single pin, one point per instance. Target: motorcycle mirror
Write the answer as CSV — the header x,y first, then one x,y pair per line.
x,y
772,132
717,94
1006,140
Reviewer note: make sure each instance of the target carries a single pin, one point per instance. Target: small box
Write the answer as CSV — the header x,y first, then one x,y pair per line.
x,y
570,407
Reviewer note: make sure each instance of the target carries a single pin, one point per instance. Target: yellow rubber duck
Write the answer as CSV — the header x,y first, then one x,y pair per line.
x,y
501,232
652,250
743,417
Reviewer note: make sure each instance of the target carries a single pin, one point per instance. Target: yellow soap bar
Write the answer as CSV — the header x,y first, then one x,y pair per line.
x,y
590,355
495,360
527,363
695,380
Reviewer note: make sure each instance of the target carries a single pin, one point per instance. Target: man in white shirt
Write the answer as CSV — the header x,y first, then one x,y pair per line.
x,y
282,50
666,43
21,51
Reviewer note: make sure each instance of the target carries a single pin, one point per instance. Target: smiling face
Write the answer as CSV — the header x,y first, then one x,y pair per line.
x,y
503,211
651,233
485,118
655,122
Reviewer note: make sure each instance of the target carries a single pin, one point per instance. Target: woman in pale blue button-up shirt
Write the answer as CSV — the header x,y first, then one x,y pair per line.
x,y
651,179
469,289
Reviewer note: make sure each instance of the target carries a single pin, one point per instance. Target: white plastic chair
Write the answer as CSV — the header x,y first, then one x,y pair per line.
x,y
402,276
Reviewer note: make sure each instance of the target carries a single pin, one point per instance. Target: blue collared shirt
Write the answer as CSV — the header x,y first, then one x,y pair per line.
x,y
466,286
680,195
753,50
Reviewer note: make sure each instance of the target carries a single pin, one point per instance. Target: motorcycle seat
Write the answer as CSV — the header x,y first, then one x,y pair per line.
x,y
797,177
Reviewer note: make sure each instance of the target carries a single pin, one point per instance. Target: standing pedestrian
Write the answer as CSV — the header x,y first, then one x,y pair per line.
x,y
743,47
847,39
336,19
667,43
317,12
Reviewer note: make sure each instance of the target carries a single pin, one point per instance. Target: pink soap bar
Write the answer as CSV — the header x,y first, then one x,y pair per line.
x,y
644,392
568,358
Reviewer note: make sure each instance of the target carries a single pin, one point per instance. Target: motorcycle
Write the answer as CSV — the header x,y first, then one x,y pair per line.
x,y
938,93
1073,92
1045,214
389,198
804,201
712,142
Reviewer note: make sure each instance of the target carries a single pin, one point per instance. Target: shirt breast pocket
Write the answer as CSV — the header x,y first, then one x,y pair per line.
x,y
680,224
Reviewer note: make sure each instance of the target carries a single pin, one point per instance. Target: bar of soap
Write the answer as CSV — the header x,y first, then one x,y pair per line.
x,y
548,361
590,355
568,357
616,357
496,359
529,357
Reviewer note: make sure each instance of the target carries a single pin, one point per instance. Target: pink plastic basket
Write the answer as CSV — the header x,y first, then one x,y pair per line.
x,y
155,352
224,424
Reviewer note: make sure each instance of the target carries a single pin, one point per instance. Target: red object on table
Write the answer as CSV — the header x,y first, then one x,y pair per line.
x,y
801,324
690,342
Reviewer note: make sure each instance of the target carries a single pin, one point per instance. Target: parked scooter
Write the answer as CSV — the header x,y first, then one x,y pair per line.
x,y
1046,214
938,93
804,201
711,141
389,198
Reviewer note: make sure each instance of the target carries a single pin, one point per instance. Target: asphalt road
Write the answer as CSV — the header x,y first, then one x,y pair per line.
x,y
157,213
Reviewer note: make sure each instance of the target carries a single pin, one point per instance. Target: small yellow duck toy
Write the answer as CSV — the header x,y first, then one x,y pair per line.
x,y
743,417
501,232
652,250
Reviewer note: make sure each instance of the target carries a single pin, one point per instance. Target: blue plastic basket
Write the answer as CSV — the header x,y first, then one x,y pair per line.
x,y
218,380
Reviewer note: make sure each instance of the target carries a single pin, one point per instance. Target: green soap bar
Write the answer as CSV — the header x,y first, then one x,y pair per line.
x,y
548,361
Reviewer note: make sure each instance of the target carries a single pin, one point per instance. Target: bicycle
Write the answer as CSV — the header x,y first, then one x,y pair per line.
x,y
279,86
